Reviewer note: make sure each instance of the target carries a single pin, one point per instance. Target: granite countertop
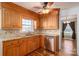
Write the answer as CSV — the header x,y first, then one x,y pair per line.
x,y
5,38
16,37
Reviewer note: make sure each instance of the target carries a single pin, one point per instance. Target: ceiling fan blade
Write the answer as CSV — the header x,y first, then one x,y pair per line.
x,y
50,3
45,7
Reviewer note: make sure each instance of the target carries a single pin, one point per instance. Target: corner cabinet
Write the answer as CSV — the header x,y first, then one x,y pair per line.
x,y
11,19
51,20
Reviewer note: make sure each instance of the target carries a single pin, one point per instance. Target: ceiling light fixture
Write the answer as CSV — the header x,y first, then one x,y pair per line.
x,y
47,7
45,11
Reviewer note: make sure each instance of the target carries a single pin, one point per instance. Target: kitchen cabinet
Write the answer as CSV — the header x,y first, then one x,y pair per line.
x,y
42,41
36,24
12,15
36,42
50,20
15,50
33,43
11,19
45,22
24,46
21,47
8,51
56,44
30,44
10,48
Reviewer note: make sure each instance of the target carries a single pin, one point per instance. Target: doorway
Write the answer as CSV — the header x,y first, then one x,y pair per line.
x,y
69,45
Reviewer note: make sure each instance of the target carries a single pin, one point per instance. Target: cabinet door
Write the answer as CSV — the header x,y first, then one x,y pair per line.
x,y
37,39
42,44
34,42
7,51
15,50
55,19
10,48
31,44
36,24
56,43
15,47
51,20
37,43
6,18
23,47
11,19
16,22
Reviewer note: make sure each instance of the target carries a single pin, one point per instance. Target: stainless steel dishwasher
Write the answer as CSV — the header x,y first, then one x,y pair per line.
x,y
49,43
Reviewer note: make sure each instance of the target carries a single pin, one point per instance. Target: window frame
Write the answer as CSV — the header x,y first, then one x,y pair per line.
x,y
31,25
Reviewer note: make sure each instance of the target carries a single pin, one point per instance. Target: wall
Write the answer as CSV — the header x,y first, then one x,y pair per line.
x,y
0,15
0,18
68,12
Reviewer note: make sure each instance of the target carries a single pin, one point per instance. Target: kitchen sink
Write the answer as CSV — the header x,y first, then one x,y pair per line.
x,y
29,34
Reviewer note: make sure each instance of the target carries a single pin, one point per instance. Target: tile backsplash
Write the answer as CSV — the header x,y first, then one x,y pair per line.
x,y
19,32
51,32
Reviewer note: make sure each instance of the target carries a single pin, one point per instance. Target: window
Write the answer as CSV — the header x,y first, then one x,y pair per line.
x,y
27,25
68,31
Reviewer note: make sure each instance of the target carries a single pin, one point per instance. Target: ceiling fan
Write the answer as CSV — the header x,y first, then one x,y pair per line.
x,y
46,7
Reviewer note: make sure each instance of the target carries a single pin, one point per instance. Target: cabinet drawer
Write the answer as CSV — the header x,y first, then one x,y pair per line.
x,y
7,43
12,42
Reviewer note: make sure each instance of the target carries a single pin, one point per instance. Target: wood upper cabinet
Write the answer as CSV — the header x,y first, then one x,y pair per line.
x,y
11,19
36,24
51,20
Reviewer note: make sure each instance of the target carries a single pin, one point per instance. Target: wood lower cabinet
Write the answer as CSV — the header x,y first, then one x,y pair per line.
x,y
42,38
56,44
36,42
33,43
15,50
30,44
21,47
10,48
7,51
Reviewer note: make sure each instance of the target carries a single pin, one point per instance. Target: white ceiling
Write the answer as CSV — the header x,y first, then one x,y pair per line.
x,y
62,5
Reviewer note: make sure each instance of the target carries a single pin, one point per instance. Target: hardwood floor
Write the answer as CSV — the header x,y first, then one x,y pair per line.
x,y
69,47
41,52
68,50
